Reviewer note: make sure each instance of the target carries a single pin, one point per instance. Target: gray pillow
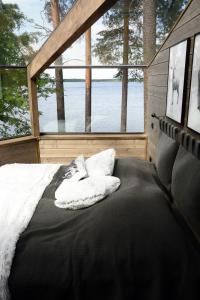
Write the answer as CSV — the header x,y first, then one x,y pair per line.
x,y
186,187
165,156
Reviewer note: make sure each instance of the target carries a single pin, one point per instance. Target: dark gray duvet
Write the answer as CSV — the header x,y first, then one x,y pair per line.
x,y
132,245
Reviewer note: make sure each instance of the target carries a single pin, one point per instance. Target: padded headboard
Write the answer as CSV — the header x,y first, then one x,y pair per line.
x,y
185,139
184,183
190,143
169,129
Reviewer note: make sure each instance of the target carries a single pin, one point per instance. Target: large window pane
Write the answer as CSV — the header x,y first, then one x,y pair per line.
x,y
74,104
135,102
106,102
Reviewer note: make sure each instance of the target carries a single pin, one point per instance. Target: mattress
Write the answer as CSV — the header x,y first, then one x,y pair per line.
x,y
131,245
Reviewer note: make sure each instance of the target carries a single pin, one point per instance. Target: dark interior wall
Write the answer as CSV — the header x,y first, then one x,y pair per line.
x,y
187,26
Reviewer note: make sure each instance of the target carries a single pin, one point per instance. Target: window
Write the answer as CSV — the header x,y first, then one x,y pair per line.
x,y
105,113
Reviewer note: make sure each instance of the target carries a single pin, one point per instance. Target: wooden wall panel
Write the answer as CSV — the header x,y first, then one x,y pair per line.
x,y
62,149
22,150
187,26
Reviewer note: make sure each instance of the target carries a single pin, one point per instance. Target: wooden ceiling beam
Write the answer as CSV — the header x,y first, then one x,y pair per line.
x,y
82,16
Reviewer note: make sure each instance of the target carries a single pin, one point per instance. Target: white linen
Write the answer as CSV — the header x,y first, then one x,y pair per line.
x,y
84,193
101,163
21,187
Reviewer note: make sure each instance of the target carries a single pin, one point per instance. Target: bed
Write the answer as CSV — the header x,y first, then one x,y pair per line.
x,y
138,243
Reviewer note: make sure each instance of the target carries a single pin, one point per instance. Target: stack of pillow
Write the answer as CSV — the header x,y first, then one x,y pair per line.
x,y
88,181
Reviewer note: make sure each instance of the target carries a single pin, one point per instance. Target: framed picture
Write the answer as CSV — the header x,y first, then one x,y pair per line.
x,y
176,79
194,106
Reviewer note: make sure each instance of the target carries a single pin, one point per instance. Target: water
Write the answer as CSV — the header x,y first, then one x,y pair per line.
x,y
106,108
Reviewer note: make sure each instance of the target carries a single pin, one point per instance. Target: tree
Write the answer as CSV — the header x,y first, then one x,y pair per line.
x,y
125,62
167,13
109,43
55,10
122,38
88,81
55,17
16,49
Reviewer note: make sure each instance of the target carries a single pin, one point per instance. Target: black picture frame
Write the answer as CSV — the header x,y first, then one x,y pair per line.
x,y
178,58
193,120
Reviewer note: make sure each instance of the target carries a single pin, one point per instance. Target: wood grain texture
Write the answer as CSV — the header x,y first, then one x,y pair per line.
x,y
59,150
22,150
33,106
81,17
186,27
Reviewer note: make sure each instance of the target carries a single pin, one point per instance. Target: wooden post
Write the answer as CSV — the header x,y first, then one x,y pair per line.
x,y
88,81
125,71
149,41
33,103
58,73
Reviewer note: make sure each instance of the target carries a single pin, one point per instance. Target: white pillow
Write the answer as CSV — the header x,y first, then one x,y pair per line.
x,y
77,169
79,194
101,163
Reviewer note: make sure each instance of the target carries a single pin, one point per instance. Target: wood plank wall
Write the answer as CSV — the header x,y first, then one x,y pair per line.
x,y
187,26
19,150
62,149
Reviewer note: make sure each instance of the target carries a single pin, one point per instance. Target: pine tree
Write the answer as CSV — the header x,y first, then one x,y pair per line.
x,y
55,12
124,41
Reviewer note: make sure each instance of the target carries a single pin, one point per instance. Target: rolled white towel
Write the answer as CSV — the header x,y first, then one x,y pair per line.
x,y
79,194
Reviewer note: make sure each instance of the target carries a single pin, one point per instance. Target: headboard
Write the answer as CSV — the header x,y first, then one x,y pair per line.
x,y
182,169
189,142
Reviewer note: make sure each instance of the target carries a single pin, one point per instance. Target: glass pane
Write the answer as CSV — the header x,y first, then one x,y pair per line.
x,y
135,102
74,103
14,105
167,12
106,101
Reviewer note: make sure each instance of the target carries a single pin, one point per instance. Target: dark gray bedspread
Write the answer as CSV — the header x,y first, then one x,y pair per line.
x,y
129,246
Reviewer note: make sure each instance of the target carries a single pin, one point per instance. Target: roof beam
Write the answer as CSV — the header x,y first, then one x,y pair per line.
x,y
83,14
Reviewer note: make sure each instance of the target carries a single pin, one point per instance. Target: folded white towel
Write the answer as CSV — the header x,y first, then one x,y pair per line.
x,y
79,194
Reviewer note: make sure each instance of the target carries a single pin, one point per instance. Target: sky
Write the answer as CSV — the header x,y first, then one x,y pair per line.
x,y
75,55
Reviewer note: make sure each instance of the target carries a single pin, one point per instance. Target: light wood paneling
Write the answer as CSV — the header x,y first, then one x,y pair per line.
x,y
19,150
186,27
62,149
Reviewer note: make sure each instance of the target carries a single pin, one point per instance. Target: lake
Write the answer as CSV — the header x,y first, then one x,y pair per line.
x,y
106,108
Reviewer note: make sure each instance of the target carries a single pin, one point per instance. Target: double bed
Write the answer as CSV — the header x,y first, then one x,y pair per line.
x,y
135,244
